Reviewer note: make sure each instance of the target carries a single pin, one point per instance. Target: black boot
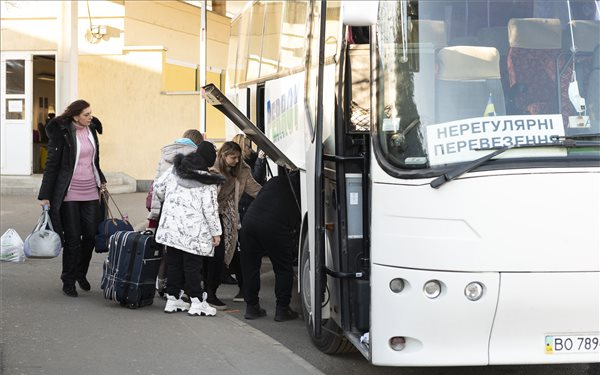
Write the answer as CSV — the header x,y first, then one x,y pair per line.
x,y
84,284
254,312
69,290
284,313
214,301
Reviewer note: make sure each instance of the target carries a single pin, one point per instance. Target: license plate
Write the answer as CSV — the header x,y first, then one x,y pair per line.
x,y
567,344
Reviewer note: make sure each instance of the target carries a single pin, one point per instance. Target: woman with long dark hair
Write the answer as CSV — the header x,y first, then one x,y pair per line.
x,y
70,187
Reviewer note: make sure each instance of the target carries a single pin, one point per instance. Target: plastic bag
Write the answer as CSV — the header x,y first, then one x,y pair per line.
x,y
43,242
11,247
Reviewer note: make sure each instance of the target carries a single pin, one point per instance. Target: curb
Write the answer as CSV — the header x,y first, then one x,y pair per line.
x,y
279,347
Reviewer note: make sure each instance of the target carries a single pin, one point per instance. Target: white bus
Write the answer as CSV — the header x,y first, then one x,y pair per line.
x,y
450,162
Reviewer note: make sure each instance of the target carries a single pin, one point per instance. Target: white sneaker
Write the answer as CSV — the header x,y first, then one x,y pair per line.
x,y
176,304
201,308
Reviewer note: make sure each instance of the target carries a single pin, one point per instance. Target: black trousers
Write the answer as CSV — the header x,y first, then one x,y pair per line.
x,y
257,240
235,267
79,223
184,272
214,267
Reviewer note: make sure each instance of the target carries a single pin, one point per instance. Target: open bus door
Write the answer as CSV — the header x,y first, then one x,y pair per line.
x,y
217,99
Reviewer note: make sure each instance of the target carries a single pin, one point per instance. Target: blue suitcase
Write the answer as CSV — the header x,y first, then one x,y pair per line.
x,y
131,267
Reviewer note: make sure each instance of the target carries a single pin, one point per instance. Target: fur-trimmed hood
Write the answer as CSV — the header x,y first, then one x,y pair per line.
x,y
55,126
191,178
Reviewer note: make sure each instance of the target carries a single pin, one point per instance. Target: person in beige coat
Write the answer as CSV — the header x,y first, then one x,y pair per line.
x,y
238,180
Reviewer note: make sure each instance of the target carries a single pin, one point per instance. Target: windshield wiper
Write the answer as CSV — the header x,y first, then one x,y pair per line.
x,y
556,138
568,142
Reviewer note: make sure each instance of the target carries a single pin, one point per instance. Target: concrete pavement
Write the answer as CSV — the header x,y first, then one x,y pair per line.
x,y
45,332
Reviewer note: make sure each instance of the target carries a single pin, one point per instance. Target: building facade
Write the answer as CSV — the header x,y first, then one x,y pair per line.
x,y
137,62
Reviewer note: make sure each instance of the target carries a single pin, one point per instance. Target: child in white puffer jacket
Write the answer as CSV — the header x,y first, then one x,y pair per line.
x,y
189,226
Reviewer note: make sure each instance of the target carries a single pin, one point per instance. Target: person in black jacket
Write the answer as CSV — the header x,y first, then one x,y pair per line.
x,y
269,227
70,187
257,162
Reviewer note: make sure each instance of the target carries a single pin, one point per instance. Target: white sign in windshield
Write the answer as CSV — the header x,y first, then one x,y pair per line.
x,y
458,141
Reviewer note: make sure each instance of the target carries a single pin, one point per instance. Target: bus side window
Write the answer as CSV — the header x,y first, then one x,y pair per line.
x,y
360,104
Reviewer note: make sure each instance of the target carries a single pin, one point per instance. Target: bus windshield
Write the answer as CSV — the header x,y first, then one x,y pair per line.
x,y
457,79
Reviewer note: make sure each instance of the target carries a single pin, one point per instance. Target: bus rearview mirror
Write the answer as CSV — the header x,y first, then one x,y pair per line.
x,y
359,13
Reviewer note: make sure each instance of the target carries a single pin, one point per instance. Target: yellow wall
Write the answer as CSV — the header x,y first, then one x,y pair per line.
x,y
152,48
29,25
178,78
124,92
215,120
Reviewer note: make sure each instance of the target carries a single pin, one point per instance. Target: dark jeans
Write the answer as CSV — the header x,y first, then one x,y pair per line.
x,y
184,272
214,267
257,240
79,223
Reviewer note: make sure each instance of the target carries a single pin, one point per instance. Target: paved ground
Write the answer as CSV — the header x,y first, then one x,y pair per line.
x,y
44,332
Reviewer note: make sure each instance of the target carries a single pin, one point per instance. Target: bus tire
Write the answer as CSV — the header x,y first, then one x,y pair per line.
x,y
332,340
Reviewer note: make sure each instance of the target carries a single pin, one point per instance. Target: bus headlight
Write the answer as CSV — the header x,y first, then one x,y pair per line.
x,y
397,343
474,291
397,285
432,289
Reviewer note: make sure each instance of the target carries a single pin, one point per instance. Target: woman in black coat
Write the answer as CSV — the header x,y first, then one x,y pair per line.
x,y
70,187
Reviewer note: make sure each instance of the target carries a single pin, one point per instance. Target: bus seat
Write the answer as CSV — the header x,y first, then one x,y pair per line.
x,y
535,44
467,77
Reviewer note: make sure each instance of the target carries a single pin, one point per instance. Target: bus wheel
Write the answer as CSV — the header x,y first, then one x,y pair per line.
x,y
332,340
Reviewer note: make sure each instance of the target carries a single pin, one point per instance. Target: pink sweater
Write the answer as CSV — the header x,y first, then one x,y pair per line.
x,y
83,183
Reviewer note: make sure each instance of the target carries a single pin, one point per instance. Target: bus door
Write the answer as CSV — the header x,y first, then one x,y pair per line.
x,y
216,98
345,183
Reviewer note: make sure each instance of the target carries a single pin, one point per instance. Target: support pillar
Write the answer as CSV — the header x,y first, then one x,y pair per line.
x,y
67,57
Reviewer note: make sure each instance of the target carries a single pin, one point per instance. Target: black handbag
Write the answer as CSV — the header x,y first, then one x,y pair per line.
x,y
110,224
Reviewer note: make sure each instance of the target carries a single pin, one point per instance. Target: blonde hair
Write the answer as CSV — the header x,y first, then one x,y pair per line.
x,y
244,143
228,148
193,135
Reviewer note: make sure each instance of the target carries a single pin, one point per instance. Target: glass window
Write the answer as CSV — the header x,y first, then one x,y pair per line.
x,y
15,77
15,109
312,66
255,33
234,40
293,35
242,53
456,80
332,28
271,39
